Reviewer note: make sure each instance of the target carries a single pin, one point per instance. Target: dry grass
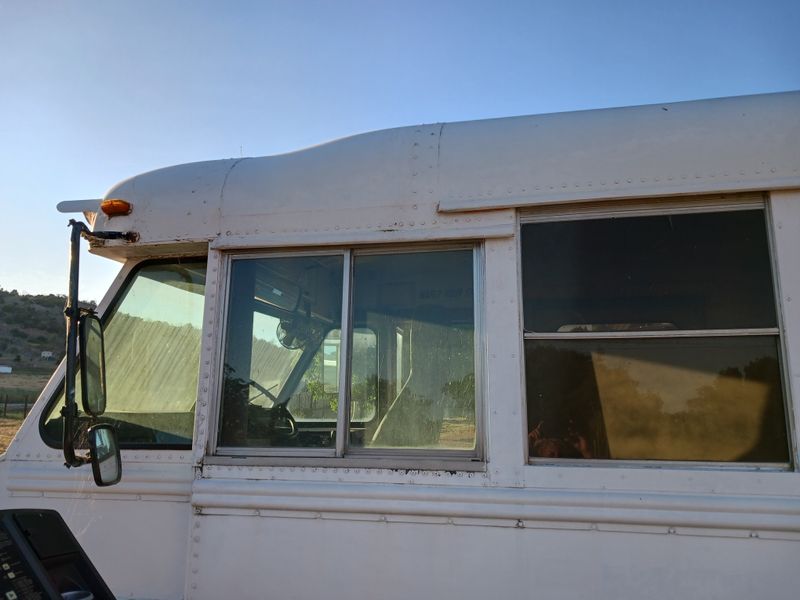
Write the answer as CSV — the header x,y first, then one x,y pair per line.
x,y
17,388
457,433
8,429
28,381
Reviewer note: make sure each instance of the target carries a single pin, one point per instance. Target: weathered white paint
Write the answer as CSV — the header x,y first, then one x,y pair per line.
x,y
408,183
188,525
707,146
785,212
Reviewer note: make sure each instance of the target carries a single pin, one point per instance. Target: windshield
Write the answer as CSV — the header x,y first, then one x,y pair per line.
x,y
152,345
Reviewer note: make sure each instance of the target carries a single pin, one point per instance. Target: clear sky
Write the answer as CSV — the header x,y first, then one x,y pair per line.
x,y
92,92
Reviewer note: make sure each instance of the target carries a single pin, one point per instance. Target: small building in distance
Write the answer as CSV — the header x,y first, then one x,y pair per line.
x,y
47,355
5,369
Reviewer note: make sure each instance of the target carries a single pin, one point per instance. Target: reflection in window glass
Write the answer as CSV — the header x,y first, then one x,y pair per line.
x,y
421,305
317,396
611,371
693,271
284,315
406,367
703,399
152,349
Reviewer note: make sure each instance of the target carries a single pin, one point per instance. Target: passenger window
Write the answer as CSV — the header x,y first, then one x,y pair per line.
x,y
653,338
424,301
152,347
408,353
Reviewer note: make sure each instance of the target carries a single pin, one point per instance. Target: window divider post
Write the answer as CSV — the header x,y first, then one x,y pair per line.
x,y
345,343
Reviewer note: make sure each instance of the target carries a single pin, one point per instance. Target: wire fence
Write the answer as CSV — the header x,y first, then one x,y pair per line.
x,y
12,407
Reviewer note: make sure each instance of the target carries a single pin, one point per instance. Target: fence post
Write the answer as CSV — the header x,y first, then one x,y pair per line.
x,y
5,405
25,410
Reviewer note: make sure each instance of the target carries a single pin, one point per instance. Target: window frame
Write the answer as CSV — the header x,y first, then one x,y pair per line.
x,y
342,455
663,207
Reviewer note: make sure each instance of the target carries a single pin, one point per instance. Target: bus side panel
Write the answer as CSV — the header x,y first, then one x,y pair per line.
x,y
137,542
312,556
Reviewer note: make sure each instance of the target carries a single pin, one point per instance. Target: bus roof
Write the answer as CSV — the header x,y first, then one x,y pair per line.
x,y
462,180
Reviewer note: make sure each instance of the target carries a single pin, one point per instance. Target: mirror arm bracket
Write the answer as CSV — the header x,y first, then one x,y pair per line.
x,y
72,312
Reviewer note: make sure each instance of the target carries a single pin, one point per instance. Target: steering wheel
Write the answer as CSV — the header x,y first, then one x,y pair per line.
x,y
281,422
262,391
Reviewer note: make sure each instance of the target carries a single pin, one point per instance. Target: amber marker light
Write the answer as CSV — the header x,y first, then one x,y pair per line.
x,y
116,207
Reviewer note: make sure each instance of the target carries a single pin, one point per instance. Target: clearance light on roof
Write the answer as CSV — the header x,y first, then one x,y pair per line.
x,y
115,207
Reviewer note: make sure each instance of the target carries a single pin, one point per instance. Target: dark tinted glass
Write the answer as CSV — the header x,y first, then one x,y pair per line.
x,y
703,399
695,271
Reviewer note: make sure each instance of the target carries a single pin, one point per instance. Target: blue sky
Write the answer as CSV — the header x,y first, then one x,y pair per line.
x,y
92,92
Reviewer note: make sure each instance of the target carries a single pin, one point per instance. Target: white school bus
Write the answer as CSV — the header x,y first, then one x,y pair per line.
x,y
551,356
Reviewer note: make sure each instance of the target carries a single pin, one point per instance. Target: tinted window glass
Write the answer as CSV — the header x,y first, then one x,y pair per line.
x,y
692,271
611,372
705,399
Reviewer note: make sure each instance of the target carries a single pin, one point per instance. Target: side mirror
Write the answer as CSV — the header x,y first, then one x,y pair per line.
x,y
93,365
104,455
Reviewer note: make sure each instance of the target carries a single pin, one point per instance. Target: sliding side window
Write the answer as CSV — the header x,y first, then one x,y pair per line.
x,y
354,353
653,338
282,350
152,348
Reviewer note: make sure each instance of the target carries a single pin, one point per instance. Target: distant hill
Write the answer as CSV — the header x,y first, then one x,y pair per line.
x,y
29,326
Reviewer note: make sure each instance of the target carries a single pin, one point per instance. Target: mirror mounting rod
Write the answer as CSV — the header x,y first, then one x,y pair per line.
x,y
73,312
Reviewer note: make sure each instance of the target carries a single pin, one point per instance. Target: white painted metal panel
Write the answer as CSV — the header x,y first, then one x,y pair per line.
x,y
305,558
378,187
138,546
785,213
723,145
